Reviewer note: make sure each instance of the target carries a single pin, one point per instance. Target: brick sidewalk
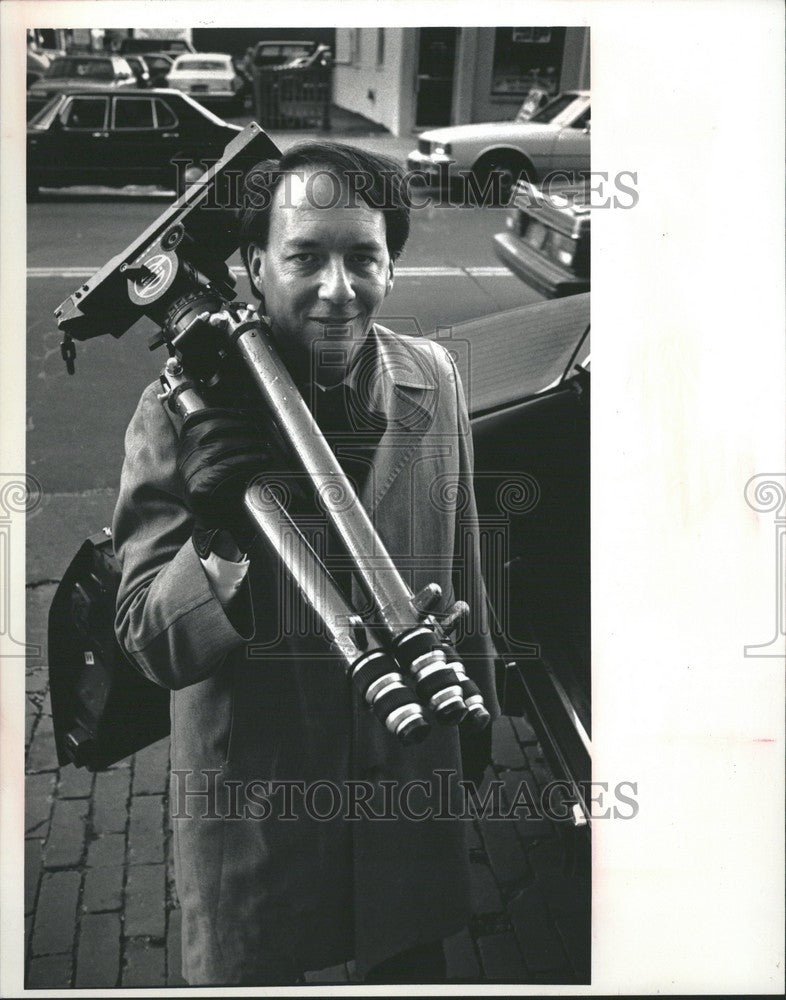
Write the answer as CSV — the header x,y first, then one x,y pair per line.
x,y
100,903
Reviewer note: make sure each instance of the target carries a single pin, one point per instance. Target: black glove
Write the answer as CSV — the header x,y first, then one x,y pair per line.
x,y
219,452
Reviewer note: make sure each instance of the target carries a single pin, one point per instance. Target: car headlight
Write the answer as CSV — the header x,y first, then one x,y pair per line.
x,y
441,149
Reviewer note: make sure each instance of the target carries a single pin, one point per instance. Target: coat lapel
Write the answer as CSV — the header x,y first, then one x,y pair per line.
x,y
404,389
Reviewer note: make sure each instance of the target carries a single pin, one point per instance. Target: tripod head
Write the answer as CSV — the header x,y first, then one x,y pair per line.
x,y
176,269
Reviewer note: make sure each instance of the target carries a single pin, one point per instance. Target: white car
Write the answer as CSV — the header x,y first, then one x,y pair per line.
x,y
207,76
556,138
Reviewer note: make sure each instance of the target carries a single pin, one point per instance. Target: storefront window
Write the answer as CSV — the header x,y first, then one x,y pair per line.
x,y
526,58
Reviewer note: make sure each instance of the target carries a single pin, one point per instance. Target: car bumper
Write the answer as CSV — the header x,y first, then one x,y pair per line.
x,y
434,169
549,279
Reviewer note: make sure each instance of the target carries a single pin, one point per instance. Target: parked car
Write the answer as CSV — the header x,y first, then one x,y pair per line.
x,y
547,241
132,137
321,56
159,65
71,73
175,46
278,52
555,138
210,76
140,70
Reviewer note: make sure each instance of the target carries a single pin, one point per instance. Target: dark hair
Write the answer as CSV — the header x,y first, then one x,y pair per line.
x,y
377,180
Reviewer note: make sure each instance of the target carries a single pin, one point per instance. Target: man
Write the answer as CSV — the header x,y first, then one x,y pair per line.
x,y
274,887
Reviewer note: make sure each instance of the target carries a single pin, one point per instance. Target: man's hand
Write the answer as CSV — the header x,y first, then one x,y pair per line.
x,y
231,317
219,452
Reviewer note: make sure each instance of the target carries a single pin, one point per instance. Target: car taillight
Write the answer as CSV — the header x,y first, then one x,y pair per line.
x,y
514,220
562,249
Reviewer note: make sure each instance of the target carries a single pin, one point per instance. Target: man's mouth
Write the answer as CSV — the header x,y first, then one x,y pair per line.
x,y
334,320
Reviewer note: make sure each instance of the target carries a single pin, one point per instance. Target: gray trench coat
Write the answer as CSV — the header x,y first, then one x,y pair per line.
x,y
265,897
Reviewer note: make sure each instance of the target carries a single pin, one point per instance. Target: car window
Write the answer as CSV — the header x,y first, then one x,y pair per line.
x,y
133,112
581,121
554,109
200,64
82,69
165,116
86,113
44,118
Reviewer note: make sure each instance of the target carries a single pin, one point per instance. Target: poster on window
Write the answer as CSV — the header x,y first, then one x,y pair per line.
x,y
525,58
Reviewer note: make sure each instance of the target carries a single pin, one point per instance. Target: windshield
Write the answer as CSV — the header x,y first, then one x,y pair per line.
x,y
83,69
43,118
282,53
201,64
554,109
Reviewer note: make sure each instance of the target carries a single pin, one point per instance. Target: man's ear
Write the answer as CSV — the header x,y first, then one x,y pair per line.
x,y
256,266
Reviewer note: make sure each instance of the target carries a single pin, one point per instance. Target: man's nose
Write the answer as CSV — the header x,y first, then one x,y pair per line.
x,y
336,283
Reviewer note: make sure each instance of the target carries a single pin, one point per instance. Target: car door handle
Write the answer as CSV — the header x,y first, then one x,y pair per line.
x,y
100,135
170,135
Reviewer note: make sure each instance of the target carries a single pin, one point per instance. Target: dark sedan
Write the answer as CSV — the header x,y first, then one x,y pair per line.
x,y
115,139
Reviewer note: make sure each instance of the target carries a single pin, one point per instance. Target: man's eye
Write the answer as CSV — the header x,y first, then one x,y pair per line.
x,y
365,259
302,258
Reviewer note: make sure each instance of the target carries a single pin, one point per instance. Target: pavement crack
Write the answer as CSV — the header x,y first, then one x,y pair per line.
x,y
477,284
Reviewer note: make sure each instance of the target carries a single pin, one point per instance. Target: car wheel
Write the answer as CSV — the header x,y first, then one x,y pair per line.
x,y
503,170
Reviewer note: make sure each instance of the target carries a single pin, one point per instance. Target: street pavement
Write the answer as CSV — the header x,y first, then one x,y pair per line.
x,y
100,904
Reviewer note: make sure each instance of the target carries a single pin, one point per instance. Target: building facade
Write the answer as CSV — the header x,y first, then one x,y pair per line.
x,y
412,78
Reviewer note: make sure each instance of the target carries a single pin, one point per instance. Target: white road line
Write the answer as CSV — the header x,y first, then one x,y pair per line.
x,y
480,271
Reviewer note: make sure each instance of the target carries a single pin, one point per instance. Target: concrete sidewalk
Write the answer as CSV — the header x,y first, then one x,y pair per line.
x,y
100,903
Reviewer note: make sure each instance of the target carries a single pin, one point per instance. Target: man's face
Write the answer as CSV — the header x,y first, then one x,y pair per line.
x,y
325,270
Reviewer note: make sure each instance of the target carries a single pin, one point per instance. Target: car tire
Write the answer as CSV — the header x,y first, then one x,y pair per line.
x,y
509,167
